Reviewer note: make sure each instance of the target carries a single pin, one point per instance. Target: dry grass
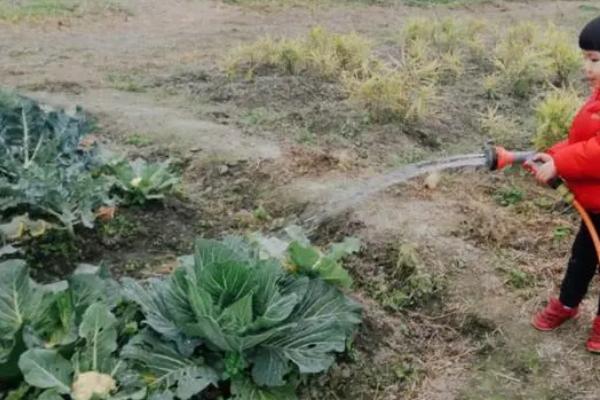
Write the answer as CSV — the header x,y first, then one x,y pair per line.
x,y
403,94
446,34
501,128
529,56
406,89
519,62
553,117
448,42
400,91
321,53
565,60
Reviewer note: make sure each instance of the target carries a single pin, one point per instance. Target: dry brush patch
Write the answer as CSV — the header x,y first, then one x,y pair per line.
x,y
528,57
554,115
400,92
320,53
502,128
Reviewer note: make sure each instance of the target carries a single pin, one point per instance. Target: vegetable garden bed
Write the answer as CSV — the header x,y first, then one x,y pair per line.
x,y
239,317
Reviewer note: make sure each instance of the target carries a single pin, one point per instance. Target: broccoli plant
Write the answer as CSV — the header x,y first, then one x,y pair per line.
x,y
52,167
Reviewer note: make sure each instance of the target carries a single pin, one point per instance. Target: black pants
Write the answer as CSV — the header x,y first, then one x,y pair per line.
x,y
582,266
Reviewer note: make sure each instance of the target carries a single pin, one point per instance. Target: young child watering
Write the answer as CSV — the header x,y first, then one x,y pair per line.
x,y
577,161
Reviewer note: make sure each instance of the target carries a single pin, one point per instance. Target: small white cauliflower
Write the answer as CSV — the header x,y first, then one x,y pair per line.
x,y
135,182
92,383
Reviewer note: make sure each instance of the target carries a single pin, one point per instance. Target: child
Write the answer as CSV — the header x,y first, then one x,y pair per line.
x,y
577,161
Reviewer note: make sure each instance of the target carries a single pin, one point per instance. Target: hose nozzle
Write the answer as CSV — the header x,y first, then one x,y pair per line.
x,y
497,157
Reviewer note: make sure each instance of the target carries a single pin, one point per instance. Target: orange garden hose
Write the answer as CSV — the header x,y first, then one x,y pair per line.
x,y
568,197
590,226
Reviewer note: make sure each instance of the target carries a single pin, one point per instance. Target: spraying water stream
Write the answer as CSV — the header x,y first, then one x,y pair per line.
x,y
356,193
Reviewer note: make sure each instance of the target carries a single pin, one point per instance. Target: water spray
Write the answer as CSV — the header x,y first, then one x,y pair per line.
x,y
493,157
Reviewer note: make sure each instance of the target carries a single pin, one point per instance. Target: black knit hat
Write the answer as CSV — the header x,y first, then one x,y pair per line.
x,y
589,38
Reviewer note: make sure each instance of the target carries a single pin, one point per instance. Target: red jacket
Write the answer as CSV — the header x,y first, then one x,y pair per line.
x,y
577,159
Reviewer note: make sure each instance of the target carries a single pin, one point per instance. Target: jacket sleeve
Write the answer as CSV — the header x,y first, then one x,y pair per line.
x,y
558,146
579,160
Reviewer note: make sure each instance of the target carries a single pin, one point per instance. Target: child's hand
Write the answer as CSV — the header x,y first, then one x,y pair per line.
x,y
547,170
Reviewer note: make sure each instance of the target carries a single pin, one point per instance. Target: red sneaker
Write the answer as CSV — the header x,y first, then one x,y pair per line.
x,y
554,315
593,343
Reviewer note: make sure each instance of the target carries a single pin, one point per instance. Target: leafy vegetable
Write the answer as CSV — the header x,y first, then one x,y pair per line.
x,y
249,309
44,316
20,303
68,195
32,134
51,167
245,389
227,316
43,166
296,251
46,369
140,181
91,372
166,368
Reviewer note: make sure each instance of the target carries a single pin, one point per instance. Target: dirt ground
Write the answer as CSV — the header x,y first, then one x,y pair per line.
x,y
151,78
